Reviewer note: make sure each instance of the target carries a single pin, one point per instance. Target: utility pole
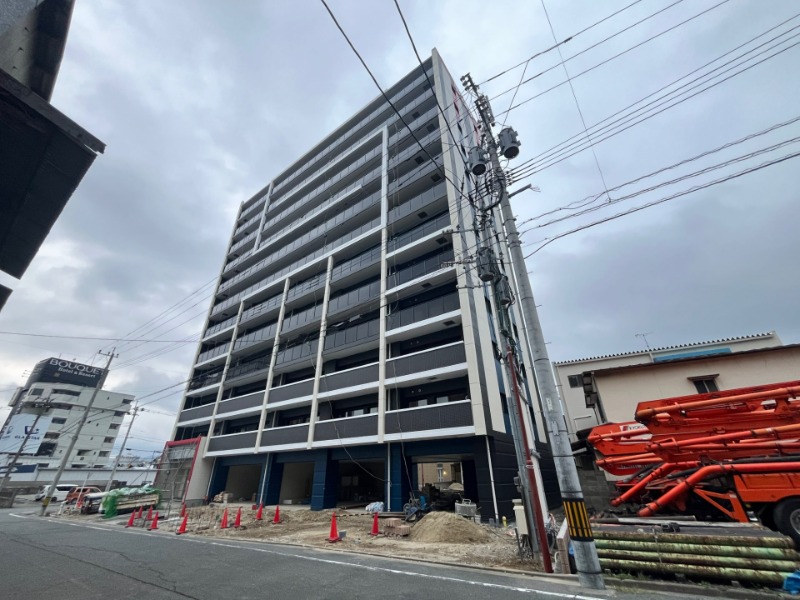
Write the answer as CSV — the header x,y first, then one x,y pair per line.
x,y
84,418
43,406
489,272
587,561
134,412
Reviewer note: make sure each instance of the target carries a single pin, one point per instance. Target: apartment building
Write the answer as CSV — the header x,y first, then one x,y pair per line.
x,y
350,344
59,392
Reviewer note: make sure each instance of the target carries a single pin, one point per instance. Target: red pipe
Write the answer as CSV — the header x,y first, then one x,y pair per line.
x,y
780,392
733,436
704,473
664,469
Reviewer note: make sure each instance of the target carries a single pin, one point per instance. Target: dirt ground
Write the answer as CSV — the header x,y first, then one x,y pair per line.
x,y
438,536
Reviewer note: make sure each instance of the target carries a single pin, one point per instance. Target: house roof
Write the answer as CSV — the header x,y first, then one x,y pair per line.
x,y
755,336
656,365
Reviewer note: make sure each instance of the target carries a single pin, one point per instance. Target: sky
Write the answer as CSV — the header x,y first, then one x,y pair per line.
x,y
202,103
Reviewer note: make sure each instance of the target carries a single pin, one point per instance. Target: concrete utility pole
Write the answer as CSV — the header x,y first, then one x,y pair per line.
x,y
587,561
134,412
84,418
43,406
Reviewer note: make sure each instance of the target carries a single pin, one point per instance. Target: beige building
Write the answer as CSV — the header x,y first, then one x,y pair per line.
x,y
608,388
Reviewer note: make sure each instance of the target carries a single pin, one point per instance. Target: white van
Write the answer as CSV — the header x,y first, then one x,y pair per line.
x,y
62,489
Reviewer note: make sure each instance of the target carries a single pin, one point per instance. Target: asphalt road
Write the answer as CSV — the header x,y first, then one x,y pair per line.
x,y
44,558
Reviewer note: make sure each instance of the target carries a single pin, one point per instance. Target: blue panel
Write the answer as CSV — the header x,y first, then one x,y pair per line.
x,y
712,352
272,489
326,482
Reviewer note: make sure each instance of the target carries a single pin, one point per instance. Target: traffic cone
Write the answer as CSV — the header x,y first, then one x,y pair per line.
x,y
237,522
150,513
224,523
334,537
182,528
277,518
260,513
154,524
132,519
183,510
375,530
140,511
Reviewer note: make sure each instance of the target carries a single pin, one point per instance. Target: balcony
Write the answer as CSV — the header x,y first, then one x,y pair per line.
x,y
281,436
434,225
198,412
338,340
248,402
200,381
424,265
349,427
354,298
422,311
215,352
418,202
427,360
233,441
358,376
259,336
253,207
426,418
249,367
291,391
222,325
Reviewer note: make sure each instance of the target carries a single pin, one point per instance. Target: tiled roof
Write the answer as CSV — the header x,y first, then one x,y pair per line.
x,y
766,334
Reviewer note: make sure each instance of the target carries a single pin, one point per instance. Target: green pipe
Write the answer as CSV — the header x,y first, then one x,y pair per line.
x,y
664,548
766,577
698,559
684,538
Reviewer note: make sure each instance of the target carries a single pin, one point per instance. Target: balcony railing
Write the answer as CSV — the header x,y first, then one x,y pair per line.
x,y
201,381
213,353
248,367
350,427
357,263
253,207
198,412
439,416
291,391
233,441
436,358
423,310
220,326
257,309
278,436
356,297
418,202
417,233
421,267
254,400
356,334
262,334
349,378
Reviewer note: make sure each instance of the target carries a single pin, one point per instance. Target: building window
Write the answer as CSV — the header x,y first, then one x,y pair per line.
x,y
35,392
108,440
119,413
114,426
705,384
76,466
103,453
59,420
575,381
84,452
64,392
51,436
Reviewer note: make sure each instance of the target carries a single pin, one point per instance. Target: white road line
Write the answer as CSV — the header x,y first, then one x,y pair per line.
x,y
340,563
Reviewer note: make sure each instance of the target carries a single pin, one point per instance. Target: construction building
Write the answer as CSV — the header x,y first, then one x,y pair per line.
x,y
55,398
43,154
350,353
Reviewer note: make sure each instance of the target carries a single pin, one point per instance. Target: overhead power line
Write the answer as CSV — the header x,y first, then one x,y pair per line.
x,y
686,192
84,337
562,156
600,64
572,140
561,43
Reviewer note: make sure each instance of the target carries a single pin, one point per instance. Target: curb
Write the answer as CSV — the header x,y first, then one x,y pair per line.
x,y
671,587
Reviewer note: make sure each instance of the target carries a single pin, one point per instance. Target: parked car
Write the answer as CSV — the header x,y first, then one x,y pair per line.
x,y
77,493
62,489
93,503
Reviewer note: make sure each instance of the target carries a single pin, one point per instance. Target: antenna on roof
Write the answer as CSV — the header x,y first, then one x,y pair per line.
x,y
644,338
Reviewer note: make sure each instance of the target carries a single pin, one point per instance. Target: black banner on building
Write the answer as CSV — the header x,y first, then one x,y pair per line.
x,y
57,370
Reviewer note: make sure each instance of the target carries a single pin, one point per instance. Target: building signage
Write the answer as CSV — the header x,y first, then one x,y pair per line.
x,y
59,370
19,426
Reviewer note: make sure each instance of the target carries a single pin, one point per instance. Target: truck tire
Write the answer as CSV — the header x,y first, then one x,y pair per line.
x,y
787,518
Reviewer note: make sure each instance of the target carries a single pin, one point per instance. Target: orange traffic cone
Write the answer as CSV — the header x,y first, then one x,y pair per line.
x,y
132,519
375,530
183,510
277,518
182,528
224,523
140,512
150,513
260,513
334,537
237,522
154,524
